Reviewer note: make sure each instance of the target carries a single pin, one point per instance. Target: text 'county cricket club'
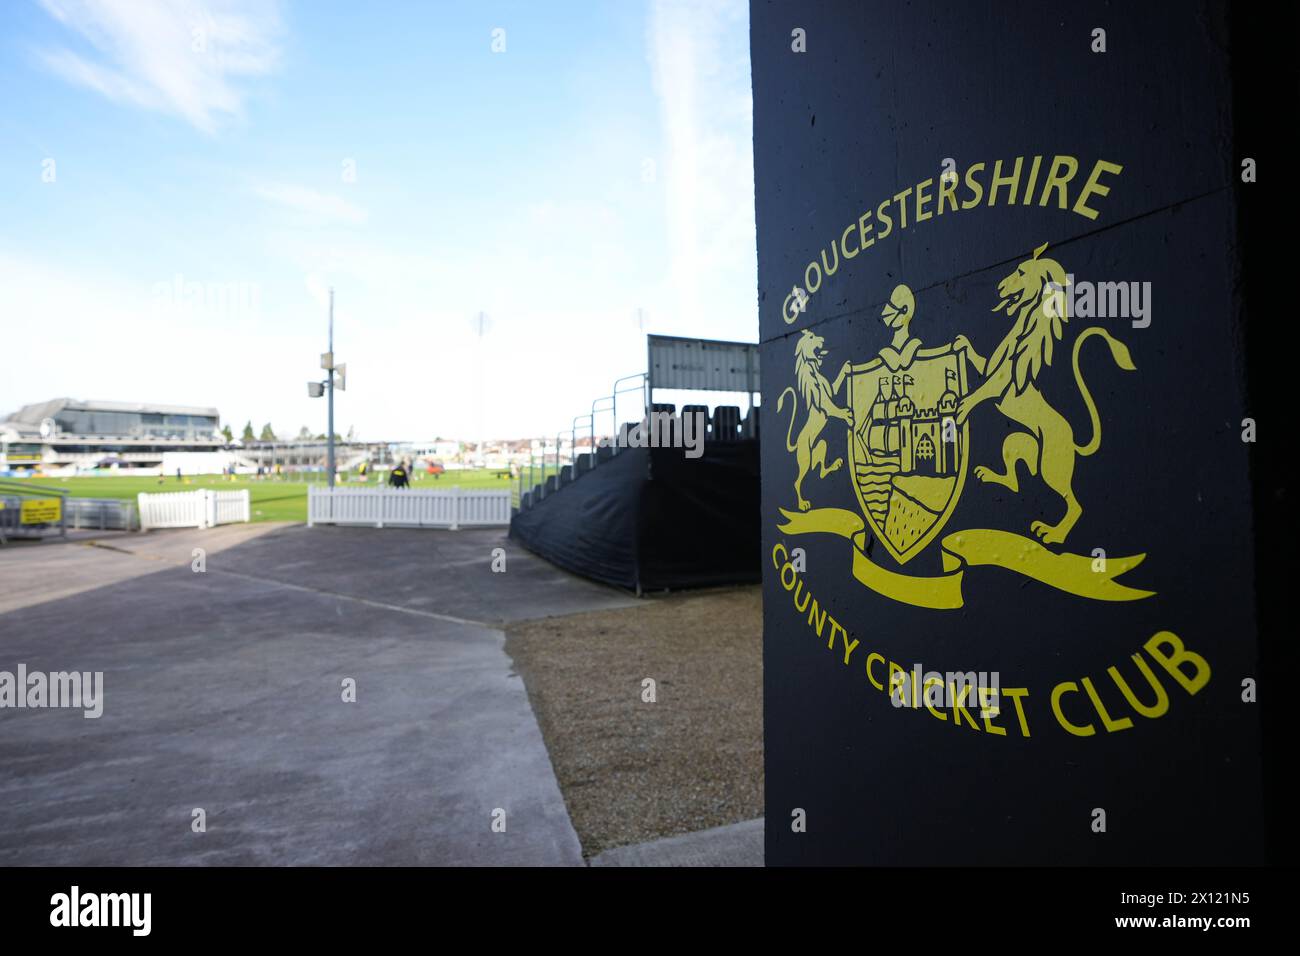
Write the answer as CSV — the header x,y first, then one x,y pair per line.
x,y
908,411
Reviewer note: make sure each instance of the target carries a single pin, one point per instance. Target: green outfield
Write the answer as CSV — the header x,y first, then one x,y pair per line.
x,y
272,499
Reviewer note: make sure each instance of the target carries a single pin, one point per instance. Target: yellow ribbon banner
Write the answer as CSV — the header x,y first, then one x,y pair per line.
x,y
1078,574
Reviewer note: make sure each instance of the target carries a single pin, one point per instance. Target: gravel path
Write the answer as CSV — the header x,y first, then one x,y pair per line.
x,y
631,770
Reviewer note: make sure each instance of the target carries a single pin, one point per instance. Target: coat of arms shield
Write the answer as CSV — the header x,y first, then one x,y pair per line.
x,y
909,454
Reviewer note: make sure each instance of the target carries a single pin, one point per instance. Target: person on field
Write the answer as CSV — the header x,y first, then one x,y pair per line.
x,y
397,477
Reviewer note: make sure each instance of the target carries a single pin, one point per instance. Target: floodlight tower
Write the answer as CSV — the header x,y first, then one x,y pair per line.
x,y
329,431
481,326
316,389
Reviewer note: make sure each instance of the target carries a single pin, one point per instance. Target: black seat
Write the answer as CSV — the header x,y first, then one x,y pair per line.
x,y
726,423
696,410
621,440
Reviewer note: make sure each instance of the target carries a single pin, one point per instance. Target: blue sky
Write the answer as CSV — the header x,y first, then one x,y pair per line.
x,y
180,182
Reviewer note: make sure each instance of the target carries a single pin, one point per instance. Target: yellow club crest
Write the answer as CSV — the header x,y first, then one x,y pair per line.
x,y
908,419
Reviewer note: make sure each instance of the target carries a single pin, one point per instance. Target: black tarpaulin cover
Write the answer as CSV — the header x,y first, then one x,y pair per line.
x,y
651,518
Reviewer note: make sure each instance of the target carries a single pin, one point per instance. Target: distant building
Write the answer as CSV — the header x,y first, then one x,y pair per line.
x,y
312,453
65,432
436,450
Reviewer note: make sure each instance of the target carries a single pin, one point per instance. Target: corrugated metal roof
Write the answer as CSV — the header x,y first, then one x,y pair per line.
x,y
43,410
705,364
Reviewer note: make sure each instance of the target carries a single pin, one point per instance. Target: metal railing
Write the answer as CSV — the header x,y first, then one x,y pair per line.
x,y
645,403
100,514
532,480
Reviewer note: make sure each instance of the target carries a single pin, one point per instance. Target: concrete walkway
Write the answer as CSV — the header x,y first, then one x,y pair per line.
x,y
739,844
32,572
223,691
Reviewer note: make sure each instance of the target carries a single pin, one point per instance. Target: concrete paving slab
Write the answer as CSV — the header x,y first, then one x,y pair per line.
x,y
222,691
738,844
449,572
33,572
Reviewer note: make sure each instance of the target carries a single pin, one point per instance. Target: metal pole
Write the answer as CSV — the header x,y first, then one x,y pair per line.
x,y
573,457
611,399
482,428
329,436
613,411
617,390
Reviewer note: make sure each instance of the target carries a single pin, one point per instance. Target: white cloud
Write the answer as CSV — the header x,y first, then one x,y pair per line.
x,y
130,347
172,56
697,54
321,207
560,272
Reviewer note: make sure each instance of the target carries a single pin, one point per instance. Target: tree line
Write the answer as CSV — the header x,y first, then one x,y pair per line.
x,y
268,434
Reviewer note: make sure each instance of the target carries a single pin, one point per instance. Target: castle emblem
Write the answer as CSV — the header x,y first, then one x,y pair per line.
x,y
908,452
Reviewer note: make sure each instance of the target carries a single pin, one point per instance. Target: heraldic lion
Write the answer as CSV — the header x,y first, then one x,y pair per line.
x,y
818,397
1033,294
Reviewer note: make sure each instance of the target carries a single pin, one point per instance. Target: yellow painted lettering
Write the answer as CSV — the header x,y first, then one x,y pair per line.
x,y
901,199
1093,187
922,197
863,228
884,217
928,706
947,190
897,685
844,242
998,181
812,615
873,656
1172,662
958,702
1107,721
1017,694
977,191
779,547
1069,687
1033,179
987,696
1057,181
1157,709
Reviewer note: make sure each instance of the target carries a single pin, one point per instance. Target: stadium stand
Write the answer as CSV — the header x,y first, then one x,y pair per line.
x,y
645,512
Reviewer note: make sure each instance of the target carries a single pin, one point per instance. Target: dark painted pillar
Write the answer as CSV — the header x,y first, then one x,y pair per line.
x,y
1000,259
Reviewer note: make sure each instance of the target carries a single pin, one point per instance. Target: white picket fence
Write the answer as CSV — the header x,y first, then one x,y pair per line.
x,y
407,507
203,508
